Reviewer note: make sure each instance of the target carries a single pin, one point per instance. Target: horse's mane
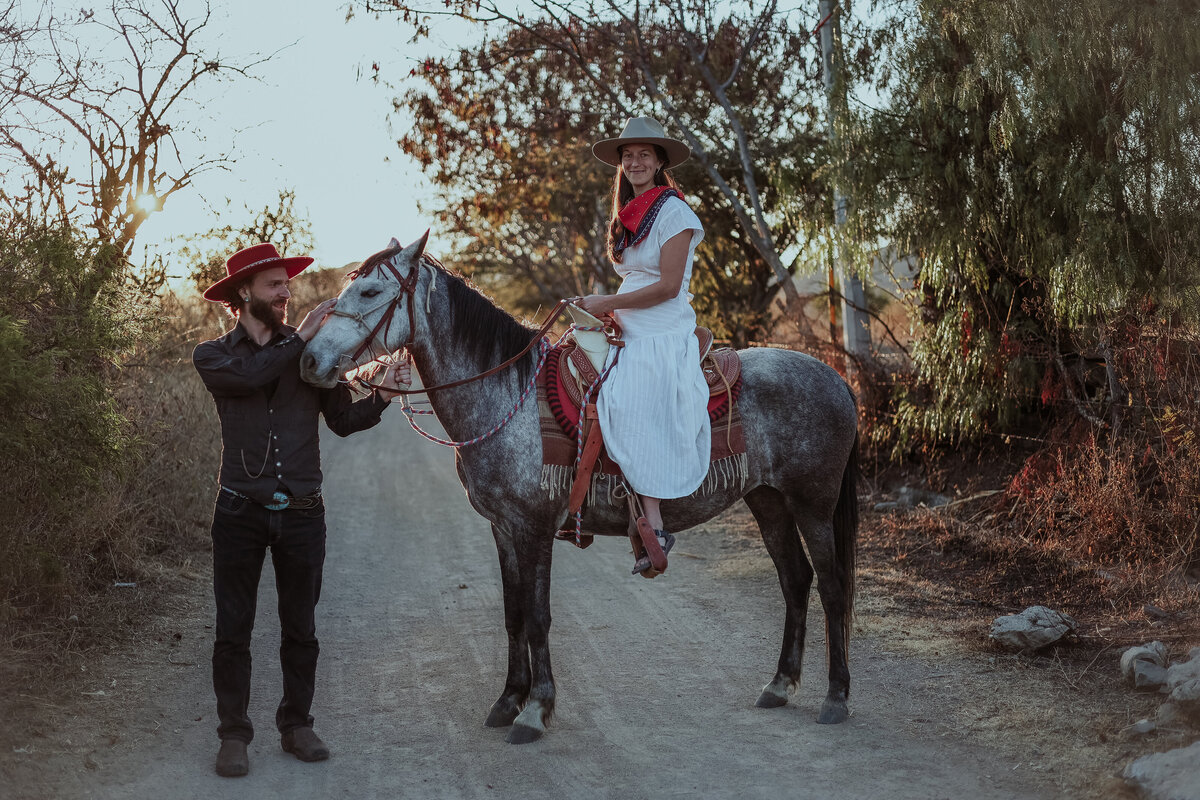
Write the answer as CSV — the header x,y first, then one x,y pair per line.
x,y
486,332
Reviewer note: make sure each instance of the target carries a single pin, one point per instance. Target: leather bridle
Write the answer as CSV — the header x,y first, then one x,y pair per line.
x,y
407,287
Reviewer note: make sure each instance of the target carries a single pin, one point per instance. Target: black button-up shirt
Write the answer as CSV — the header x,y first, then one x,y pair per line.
x,y
269,415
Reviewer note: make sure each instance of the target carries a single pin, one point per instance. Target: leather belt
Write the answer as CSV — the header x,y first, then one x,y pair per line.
x,y
281,501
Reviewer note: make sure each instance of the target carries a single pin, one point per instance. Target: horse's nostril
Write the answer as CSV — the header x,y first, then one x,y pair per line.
x,y
307,362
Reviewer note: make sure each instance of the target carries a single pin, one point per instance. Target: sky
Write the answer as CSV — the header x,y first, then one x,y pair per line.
x,y
313,122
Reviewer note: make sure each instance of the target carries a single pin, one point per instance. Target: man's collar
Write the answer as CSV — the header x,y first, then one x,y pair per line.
x,y
240,333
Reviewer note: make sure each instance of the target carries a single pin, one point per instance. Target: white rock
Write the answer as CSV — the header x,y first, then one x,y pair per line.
x,y
1033,628
909,496
1183,680
1153,653
1169,715
1174,775
1143,727
1148,676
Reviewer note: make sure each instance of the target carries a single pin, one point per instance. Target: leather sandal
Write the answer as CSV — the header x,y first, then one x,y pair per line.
x,y
665,540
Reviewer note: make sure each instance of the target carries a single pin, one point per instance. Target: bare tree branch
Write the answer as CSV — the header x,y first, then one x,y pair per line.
x,y
119,107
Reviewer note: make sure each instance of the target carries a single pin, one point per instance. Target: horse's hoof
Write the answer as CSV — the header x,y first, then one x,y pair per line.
x,y
833,712
501,715
769,699
523,734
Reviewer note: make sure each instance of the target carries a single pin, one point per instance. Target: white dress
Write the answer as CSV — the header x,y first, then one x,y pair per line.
x,y
654,405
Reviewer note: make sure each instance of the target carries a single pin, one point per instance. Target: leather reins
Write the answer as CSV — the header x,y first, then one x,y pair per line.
x,y
407,286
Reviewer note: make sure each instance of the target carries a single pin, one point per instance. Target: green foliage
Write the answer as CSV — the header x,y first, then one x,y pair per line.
x,y
64,319
1044,163
504,128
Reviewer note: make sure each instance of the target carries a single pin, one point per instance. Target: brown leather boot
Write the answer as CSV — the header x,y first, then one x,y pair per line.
x,y
232,760
304,745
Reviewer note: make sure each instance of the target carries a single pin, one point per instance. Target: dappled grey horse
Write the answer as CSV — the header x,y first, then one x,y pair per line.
x,y
801,434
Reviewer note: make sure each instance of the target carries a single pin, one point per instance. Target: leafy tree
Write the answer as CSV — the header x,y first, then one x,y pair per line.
x,y
511,119
1042,161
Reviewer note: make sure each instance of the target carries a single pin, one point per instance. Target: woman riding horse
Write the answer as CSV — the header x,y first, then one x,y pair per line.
x,y
653,405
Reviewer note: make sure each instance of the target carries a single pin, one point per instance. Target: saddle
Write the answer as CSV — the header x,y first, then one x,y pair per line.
x,y
585,359
579,365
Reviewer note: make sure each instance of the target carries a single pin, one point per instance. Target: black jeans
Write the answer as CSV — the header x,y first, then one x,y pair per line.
x,y
242,530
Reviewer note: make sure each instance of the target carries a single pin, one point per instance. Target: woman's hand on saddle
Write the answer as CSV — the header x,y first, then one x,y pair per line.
x,y
315,319
598,305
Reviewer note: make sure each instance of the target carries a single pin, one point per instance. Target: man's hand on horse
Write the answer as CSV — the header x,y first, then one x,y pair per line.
x,y
315,319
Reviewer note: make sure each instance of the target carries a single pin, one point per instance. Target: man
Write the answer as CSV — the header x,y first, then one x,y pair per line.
x,y
270,495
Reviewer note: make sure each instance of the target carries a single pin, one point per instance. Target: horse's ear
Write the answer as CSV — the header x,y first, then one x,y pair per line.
x,y
419,244
412,254
393,243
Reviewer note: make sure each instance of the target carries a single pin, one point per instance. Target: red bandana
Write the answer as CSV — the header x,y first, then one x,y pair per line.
x,y
639,214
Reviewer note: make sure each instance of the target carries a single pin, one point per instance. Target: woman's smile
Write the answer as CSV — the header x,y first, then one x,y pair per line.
x,y
640,164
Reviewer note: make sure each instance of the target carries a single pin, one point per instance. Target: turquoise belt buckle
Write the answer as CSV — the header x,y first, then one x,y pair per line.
x,y
281,502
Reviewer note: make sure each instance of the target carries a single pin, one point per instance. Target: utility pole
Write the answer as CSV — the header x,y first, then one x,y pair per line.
x,y
856,333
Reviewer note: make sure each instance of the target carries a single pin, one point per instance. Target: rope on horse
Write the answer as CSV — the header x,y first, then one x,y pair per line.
x,y
544,348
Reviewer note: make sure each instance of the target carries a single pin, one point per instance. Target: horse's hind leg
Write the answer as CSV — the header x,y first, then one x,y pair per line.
x,y
533,559
795,579
831,585
516,686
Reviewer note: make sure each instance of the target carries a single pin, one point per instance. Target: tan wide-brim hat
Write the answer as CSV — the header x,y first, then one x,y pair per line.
x,y
642,130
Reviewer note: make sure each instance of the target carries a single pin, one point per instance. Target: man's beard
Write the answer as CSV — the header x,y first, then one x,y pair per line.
x,y
265,313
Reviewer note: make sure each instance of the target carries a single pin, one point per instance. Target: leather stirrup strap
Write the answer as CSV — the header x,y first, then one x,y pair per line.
x,y
593,440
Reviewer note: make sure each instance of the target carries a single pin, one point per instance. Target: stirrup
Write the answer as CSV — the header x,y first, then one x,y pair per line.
x,y
665,540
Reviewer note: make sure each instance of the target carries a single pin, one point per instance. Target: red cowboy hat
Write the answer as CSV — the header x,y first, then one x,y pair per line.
x,y
252,260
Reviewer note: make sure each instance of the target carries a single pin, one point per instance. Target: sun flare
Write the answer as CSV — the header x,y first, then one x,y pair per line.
x,y
146,203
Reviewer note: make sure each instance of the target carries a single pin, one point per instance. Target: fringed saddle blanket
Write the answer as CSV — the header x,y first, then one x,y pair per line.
x,y
558,396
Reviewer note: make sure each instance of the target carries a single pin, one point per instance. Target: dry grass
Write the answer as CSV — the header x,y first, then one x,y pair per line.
x,y
981,559
132,537
1124,496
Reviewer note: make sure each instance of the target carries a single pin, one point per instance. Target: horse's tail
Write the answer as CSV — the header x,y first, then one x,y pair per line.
x,y
845,535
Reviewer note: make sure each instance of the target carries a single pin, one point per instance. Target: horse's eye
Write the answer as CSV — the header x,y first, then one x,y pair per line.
x,y
370,292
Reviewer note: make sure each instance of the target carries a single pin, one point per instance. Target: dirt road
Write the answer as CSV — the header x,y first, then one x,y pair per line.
x,y
657,679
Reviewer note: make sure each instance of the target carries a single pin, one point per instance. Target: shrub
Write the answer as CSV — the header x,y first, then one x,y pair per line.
x,y
108,440
63,322
1126,496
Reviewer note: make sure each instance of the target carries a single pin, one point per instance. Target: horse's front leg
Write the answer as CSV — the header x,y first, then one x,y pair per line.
x,y
534,551
516,686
